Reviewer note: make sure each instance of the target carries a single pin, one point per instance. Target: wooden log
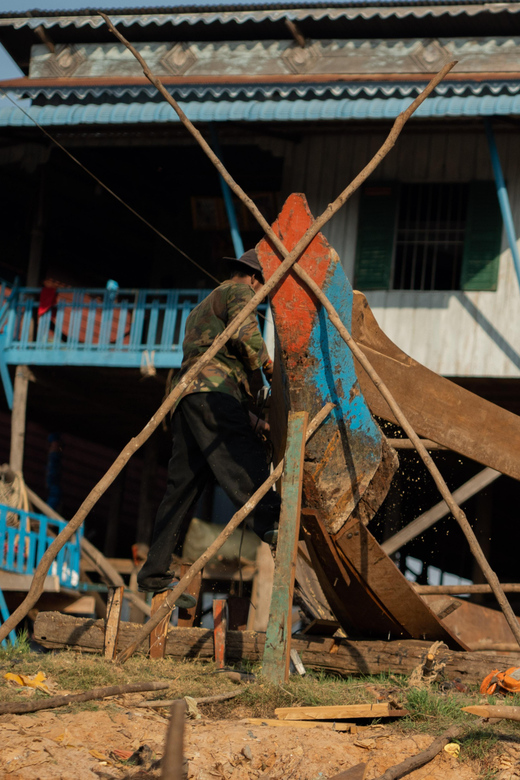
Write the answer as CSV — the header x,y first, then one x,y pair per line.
x,y
339,712
276,660
493,711
20,707
422,758
339,656
114,604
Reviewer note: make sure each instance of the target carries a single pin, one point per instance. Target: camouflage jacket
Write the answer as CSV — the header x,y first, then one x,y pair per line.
x,y
228,371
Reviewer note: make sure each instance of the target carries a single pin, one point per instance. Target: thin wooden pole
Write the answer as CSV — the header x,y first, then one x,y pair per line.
x,y
217,544
172,762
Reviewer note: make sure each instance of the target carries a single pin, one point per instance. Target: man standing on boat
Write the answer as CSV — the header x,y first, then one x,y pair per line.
x,y
211,427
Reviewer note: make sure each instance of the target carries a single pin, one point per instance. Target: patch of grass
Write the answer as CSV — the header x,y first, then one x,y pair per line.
x,y
477,743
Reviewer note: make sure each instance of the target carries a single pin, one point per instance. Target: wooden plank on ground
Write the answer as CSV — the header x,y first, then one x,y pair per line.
x,y
340,712
113,619
275,664
158,635
300,724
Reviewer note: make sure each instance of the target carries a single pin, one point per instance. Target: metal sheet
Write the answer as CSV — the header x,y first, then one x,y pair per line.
x,y
259,111
84,89
157,16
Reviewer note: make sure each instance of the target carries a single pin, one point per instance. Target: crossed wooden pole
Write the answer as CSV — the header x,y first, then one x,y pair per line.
x,y
289,261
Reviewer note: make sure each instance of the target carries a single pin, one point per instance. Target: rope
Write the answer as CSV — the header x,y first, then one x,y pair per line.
x,y
14,494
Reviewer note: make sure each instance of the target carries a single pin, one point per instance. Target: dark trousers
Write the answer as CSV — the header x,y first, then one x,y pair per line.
x,y
211,435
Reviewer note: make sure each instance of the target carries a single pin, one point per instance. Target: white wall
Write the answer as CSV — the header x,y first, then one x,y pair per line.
x,y
453,333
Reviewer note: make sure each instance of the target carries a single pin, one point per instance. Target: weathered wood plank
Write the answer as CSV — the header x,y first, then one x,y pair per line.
x,y
114,605
158,635
437,408
276,660
383,578
338,712
220,631
340,656
299,724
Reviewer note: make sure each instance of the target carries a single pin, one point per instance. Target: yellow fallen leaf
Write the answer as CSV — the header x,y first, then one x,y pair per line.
x,y
100,757
27,681
453,748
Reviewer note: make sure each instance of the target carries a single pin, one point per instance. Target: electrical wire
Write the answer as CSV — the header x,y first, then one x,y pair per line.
x,y
110,191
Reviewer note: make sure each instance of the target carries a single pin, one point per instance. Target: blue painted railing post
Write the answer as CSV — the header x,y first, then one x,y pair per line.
x,y
238,244
503,198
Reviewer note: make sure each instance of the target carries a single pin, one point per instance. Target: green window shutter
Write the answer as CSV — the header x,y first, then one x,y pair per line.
x,y
375,239
483,237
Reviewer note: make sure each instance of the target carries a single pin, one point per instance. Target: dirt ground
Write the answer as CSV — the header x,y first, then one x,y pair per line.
x,y
84,745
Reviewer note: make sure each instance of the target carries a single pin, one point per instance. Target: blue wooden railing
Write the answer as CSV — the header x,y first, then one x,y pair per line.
x,y
25,536
92,327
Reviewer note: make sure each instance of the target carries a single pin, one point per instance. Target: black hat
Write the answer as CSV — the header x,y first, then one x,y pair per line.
x,y
248,258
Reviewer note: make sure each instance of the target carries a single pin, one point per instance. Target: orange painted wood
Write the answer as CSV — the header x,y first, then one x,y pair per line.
x,y
220,631
158,635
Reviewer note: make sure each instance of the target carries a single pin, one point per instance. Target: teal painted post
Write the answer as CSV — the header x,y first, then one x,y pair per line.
x,y
275,665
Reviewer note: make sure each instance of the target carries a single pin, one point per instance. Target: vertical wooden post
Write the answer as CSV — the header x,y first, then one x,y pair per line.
x,y
219,631
187,616
158,635
262,590
18,417
172,762
114,604
275,665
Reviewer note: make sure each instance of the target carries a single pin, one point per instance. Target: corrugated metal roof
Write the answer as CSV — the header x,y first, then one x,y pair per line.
x,y
245,13
261,111
283,90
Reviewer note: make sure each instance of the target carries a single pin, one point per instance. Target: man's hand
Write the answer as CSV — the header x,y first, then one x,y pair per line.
x,y
257,424
268,371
